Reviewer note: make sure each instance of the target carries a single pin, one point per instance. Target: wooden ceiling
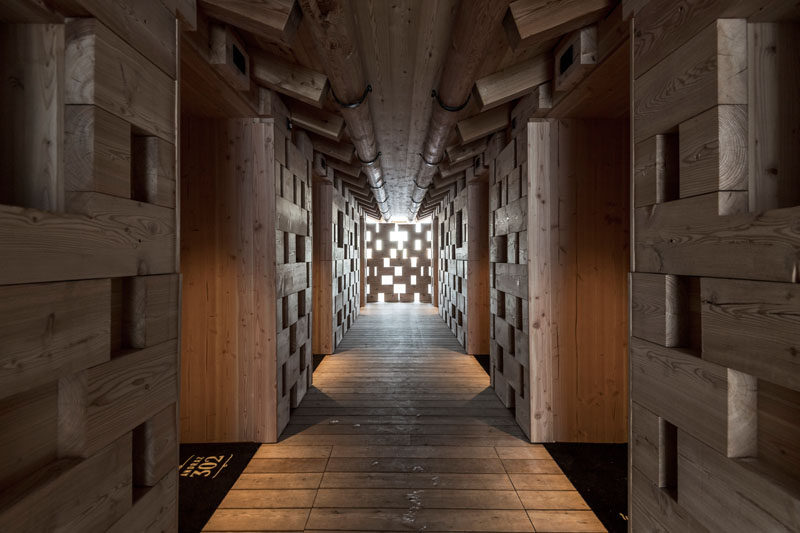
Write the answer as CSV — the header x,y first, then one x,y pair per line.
x,y
403,45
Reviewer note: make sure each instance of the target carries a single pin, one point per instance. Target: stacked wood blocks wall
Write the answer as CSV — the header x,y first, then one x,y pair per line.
x,y
715,301
89,293
346,282
293,280
337,264
421,259
508,277
463,263
246,257
452,252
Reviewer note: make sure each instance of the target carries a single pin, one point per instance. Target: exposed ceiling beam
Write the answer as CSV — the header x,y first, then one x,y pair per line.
x,y
293,80
472,32
465,151
514,81
483,124
351,170
447,170
275,19
332,25
322,123
529,22
341,151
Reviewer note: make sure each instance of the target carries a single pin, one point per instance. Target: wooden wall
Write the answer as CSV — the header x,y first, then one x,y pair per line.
x,y
337,263
246,258
463,264
89,293
508,278
715,384
400,261
578,291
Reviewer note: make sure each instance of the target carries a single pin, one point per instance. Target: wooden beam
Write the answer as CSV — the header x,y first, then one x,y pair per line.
x,y
529,22
514,81
229,57
447,170
293,80
350,170
466,151
342,152
276,20
483,124
316,121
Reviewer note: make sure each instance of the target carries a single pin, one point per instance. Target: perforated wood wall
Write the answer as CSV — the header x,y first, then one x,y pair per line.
x,y
337,263
89,294
463,253
715,301
398,262
508,277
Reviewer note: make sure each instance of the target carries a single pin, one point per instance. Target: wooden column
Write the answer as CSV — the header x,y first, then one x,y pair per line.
x,y
362,260
477,337
435,260
322,338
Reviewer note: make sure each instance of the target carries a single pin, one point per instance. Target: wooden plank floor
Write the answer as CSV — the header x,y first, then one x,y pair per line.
x,y
401,432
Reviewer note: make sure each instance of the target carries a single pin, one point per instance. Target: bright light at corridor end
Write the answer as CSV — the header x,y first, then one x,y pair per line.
x,y
399,220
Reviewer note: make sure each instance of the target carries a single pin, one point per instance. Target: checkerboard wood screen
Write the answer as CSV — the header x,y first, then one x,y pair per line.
x,y
89,294
715,300
398,262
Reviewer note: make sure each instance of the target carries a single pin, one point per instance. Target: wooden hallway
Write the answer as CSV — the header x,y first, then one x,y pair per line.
x,y
402,432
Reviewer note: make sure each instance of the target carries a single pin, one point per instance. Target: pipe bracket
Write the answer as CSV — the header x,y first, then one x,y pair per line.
x,y
420,187
451,109
368,163
355,104
432,165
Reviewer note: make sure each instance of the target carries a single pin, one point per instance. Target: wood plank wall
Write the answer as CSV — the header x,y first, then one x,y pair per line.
x,y
89,290
715,302
337,263
578,288
463,264
409,266
246,257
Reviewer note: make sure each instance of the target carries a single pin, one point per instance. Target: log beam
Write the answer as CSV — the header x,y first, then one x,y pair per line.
x,y
470,39
277,20
332,26
514,81
483,124
529,22
293,80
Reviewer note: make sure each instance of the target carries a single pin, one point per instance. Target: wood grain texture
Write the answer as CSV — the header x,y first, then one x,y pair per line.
x,y
102,69
708,70
514,81
347,476
293,80
272,19
32,141
74,318
532,21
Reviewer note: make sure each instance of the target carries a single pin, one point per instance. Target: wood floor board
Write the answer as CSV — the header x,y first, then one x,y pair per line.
x,y
402,433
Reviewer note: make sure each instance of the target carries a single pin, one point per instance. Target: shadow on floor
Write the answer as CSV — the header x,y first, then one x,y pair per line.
x,y
599,473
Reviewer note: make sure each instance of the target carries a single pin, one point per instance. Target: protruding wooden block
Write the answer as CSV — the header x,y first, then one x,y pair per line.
x,y
97,151
656,170
101,69
150,313
575,58
52,329
72,494
229,56
754,327
655,308
713,151
113,398
154,448
708,70
153,171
